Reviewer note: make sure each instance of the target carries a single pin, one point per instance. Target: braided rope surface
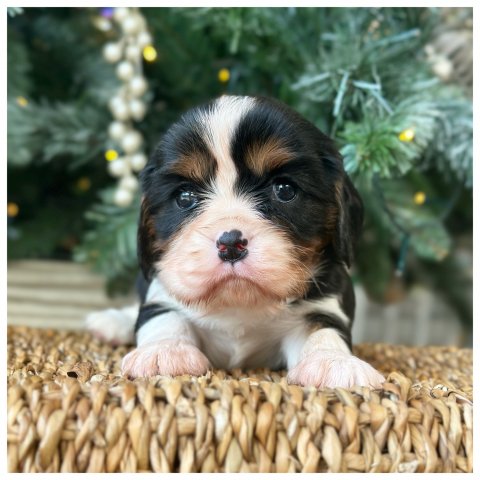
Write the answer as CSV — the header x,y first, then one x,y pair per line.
x,y
69,410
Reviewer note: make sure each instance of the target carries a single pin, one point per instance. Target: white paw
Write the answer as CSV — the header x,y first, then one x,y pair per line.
x,y
113,326
167,357
334,368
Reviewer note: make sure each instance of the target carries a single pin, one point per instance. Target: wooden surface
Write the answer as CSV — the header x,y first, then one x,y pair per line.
x,y
55,294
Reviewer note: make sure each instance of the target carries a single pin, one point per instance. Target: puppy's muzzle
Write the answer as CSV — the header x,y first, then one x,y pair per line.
x,y
231,246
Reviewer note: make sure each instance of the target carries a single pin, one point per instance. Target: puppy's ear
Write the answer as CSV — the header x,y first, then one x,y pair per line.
x,y
349,220
146,251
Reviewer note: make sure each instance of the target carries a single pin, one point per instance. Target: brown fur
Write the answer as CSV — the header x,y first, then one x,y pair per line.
x,y
265,157
195,166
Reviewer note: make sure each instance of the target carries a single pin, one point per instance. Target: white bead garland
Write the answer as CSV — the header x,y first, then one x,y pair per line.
x,y
117,130
131,141
137,109
118,168
127,105
138,161
132,52
138,86
144,39
125,70
131,25
129,183
123,197
120,13
112,52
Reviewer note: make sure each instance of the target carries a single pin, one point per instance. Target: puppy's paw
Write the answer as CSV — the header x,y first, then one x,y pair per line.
x,y
113,326
167,357
334,368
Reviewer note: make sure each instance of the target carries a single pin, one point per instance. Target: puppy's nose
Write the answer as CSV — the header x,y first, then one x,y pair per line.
x,y
231,246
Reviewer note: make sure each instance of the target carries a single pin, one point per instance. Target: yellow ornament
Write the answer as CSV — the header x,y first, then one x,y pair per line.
x,y
12,209
111,155
150,53
407,135
84,184
224,75
419,198
22,101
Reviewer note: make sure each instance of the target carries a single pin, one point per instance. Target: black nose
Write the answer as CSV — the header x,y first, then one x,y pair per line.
x,y
231,246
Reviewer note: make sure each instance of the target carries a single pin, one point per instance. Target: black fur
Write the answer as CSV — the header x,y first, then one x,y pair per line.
x,y
333,280
330,321
147,312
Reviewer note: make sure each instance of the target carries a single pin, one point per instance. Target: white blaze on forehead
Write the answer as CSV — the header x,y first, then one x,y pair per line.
x,y
220,124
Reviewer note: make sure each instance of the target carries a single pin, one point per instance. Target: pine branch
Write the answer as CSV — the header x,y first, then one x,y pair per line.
x,y
45,132
110,246
373,147
18,66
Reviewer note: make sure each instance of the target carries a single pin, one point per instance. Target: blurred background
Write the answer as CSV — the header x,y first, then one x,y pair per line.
x,y
91,90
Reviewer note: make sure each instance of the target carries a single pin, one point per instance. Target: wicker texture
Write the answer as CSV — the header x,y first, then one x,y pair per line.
x,y
69,410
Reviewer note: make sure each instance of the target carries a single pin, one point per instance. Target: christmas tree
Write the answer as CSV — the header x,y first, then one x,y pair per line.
x,y
391,85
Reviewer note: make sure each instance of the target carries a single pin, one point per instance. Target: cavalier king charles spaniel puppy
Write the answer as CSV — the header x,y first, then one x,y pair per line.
x,y
247,229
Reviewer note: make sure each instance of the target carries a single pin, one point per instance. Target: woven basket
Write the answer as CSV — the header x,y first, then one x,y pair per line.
x,y
69,410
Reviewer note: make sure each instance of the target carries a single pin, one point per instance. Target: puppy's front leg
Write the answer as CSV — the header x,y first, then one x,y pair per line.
x,y
166,345
326,361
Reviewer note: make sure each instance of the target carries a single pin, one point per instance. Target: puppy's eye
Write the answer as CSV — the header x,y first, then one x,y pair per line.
x,y
186,199
284,190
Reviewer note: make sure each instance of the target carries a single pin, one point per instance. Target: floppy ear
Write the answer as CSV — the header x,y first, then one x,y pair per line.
x,y
349,220
146,252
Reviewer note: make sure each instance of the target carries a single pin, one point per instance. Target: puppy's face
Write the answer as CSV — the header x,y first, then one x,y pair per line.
x,y
243,201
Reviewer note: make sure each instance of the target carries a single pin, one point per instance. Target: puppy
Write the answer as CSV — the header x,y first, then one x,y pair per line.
x,y
247,229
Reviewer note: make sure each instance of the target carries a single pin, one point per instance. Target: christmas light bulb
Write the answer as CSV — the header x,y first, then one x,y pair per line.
x,y
84,184
407,135
149,53
12,209
111,155
106,12
224,75
419,198
22,101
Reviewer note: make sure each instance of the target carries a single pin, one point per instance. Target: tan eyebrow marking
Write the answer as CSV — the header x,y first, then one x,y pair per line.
x,y
194,165
264,157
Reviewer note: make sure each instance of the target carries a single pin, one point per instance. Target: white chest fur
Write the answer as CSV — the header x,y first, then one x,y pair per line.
x,y
244,338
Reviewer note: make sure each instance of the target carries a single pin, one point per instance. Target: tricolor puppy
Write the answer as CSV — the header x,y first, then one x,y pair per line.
x,y
247,230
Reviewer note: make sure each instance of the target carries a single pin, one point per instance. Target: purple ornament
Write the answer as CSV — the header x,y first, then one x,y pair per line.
x,y
106,12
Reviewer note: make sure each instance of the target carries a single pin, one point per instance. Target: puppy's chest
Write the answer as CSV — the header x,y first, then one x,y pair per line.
x,y
244,338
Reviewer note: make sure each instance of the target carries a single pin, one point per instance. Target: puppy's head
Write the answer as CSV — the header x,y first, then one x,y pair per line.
x,y
243,200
